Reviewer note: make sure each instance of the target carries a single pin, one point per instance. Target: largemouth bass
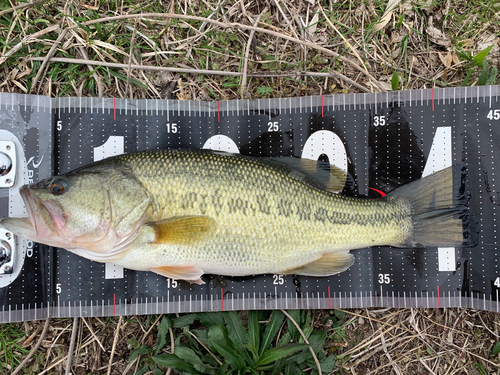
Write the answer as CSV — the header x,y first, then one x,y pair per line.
x,y
185,213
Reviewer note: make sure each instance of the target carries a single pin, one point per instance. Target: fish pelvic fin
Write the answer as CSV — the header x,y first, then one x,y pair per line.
x,y
439,210
191,274
183,230
328,264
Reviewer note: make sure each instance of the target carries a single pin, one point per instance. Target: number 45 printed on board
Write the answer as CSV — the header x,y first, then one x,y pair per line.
x,y
493,114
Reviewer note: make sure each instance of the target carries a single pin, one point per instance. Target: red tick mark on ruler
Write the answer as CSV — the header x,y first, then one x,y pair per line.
x,y
322,111
439,301
218,112
378,191
329,299
221,299
433,99
114,304
114,108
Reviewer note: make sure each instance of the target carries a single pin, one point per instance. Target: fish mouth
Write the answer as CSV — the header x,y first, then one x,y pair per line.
x,y
28,227
46,217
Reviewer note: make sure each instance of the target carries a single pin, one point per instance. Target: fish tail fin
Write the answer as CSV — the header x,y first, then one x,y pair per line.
x,y
440,215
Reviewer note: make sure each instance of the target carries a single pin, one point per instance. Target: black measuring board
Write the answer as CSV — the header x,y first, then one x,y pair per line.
x,y
382,141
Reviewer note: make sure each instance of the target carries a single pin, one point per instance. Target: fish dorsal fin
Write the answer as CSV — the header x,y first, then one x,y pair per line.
x,y
329,264
321,175
183,230
325,176
191,274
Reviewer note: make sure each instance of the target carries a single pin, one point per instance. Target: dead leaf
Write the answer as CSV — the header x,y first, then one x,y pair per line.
x,y
391,5
378,85
488,40
398,35
438,37
446,59
314,24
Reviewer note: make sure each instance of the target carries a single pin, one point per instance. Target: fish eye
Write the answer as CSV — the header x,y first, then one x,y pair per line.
x,y
57,187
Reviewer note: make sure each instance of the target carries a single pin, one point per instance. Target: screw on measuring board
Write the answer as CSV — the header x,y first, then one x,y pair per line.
x,y
8,235
7,147
8,181
6,268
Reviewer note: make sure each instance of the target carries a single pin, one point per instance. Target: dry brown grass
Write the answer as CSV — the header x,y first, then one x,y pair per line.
x,y
371,341
299,47
294,51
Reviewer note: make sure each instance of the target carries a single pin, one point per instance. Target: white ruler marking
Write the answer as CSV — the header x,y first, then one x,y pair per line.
x,y
115,145
440,157
446,259
221,142
328,143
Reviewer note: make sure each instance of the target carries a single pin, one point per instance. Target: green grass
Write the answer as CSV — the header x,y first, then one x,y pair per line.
x,y
224,343
11,350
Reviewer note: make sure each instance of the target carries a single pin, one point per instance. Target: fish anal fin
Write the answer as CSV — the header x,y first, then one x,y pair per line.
x,y
183,230
329,264
191,274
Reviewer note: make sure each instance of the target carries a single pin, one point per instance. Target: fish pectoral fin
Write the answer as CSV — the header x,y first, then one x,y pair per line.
x,y
191,274
183,230
329,264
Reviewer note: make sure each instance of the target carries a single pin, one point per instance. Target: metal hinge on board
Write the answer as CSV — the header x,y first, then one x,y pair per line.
x,y
7,250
